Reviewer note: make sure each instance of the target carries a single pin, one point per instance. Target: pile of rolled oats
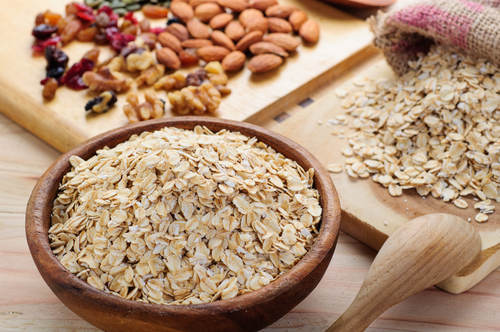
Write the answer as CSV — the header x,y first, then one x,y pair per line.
x,y
436,129
184,217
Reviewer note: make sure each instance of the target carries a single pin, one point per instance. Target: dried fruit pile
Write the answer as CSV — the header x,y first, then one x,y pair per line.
x,y
436,129
197,32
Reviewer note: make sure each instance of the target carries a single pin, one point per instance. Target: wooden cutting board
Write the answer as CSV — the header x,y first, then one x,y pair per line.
x,y
369,213
63,122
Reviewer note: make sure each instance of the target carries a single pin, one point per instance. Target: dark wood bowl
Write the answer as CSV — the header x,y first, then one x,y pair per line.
x,y
248,312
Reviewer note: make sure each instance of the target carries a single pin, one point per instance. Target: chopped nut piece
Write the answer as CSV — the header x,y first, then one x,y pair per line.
x,y
151,109
141,61
150,75
198,100
99,83
175,81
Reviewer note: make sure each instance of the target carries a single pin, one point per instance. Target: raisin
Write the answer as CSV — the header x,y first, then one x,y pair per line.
x,y
149,40
189,57
127,50
102,20
55,58
70,30
197,77
92,55
51,17
87,35
40,19
175,20
43,31
56,72
73,77
153,11
128,27
101,39
71,9
49,88
144,25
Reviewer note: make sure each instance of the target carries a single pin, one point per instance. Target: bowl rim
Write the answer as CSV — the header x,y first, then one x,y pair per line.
x,y
38,210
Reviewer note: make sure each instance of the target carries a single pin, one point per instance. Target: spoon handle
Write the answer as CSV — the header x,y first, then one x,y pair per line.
x,y
420,254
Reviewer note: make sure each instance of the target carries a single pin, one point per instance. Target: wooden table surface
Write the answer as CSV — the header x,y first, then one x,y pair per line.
x,y
27,304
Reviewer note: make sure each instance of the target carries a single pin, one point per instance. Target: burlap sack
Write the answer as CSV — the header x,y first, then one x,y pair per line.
x,y
412,27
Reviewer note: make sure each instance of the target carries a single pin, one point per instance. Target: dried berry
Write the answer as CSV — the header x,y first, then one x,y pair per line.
x,y
71,9
174,20
101,103
87,35
73,77
55,58
149,40
101,39
144,25
40,19
56,73
92,55
43,31
49,88
153,11
117,39
102,20
70,30
189,57
41,45
197,77
51,18
130,17
156,31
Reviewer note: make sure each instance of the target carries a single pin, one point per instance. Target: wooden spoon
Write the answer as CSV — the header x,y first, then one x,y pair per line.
x,y
420,254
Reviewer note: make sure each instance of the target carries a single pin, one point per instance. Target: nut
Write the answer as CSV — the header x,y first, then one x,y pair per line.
x,y
309,31
213,53
258,24
150,75
216,74
234,30
297,18
201,99
248,15
220,20
182,10
262,4
168,58
249,39
151,109
167,39
264,62
99,83
101,103
221,39
178,30
233,61
198,29
281,11
205,12
196,43
282,39
175,81
196,3
267,47
142,61
235,5
277,24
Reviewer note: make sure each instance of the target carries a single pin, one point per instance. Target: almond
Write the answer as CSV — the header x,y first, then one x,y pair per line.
x,y
281,11
221,39
168,58
258,24
264,62
167,39
235,5
249,39
213,53
182,10
282,39
297,18
206,11
249,15
178,30
233,61
267,47
309,31
221,20
196,43
196,3
262,4
198,30
235,30
276,24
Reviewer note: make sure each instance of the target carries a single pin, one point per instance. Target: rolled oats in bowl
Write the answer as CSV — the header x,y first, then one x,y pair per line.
x,y
184,217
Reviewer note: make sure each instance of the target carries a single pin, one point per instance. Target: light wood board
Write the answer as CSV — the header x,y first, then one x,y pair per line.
x,y
369,212
63,123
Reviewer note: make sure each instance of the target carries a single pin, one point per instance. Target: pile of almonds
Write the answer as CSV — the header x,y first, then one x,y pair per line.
x,y
224,30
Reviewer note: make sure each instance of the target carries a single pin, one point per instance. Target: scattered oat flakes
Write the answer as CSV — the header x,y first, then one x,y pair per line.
x,y
335,168
481,217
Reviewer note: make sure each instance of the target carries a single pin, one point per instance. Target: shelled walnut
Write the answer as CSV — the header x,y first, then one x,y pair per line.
x,y
152,108
198,100
150,75
175,81
104,80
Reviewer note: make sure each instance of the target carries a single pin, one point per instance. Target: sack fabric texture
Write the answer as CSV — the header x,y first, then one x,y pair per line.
x,y
412,27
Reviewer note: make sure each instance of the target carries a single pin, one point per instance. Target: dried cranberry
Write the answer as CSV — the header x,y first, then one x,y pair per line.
x,y
55,58
105,9
86,16
174,20
117,39
130,17
83,8
41,45
73,77
43,31
156,31
111,31
113,20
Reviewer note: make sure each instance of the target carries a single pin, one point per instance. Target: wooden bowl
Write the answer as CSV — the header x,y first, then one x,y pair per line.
x,y
248,312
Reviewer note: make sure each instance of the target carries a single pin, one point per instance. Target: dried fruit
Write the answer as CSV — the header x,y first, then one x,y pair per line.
x,y
128,27
182,10
175,81
92,55
70,30
284,40
104,81
167,39
277,24
281,11
151,109
267,47
235,5
249,39
73,77
117,39
198,29
234,30
220,20
196,43
264,62
196,78
297,18
40,19
178,30
221,39
145,25
55,59
234,61
87,35
198,100
51,18
309,31
249,15
205,12
41,45
189,57
213,53
50,88
258,24
168,58
130,49
262,4
148,39
153,11
150,75
102,20
102,103
43,31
